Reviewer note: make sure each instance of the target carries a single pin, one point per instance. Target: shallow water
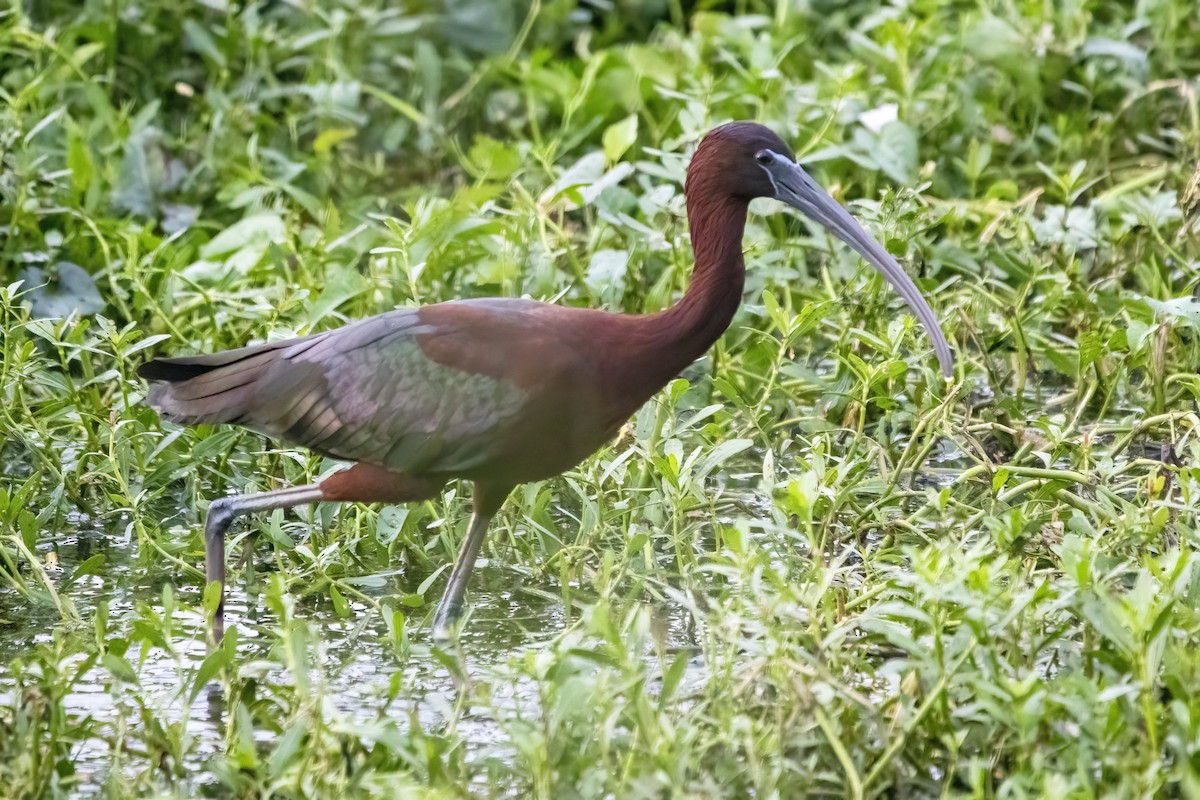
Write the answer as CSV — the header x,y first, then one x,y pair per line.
x,y
353,662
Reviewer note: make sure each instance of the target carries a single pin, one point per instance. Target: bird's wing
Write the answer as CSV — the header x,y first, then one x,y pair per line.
x,y
365,392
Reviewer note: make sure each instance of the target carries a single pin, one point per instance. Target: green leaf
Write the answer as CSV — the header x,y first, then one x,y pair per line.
x,y
340,606
389,523
341,284
672,677
1091,348
490,158
619,137
256,231
212,598
405,108
1184,309
1103,614
287,748
484,28
893,150
199,39
65,290
119,668
996,40
779,317
210,667
606,276
79,161
326,140
720,454
148,172
425,584
149,341
89,567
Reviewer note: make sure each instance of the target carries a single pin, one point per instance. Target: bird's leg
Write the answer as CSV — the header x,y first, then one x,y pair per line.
x,y
362,483
450,606
221,515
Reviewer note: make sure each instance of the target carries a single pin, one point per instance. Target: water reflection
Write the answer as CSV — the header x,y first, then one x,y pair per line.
x,y
354,665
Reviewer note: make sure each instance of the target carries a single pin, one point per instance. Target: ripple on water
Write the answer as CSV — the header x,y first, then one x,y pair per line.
x,y
354,664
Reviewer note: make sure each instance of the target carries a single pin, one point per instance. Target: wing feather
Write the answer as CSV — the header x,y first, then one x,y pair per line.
x,y
365,392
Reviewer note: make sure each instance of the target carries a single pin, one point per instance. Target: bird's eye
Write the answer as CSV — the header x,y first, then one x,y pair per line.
x,y
764,157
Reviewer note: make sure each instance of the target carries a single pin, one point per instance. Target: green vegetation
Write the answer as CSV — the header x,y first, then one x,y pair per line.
x,y
807,568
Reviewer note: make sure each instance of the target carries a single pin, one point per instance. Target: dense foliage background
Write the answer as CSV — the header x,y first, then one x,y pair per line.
x,y
807,568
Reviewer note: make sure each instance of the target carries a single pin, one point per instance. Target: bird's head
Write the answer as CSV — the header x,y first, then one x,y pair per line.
x,y
745,160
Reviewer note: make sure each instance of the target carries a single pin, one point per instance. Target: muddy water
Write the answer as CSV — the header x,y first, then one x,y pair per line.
x,y
353,660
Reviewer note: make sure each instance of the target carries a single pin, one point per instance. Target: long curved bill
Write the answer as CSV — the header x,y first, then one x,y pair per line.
x,y
794,187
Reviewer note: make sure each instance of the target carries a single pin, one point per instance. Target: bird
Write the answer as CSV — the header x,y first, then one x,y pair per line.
x,y
497,391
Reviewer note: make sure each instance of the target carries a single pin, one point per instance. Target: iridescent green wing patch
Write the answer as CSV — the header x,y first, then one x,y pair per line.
x,y
367,392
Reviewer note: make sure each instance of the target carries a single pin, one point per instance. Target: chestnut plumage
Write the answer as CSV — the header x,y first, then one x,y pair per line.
x,y
497,391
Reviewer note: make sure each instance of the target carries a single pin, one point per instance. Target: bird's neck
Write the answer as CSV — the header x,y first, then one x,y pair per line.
x,y
660,345
718,277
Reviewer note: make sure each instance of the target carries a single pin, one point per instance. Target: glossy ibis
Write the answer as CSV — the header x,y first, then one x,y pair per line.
x,y
497,391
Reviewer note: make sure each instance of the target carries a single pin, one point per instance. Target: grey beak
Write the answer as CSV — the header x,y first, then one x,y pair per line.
x,y
794,187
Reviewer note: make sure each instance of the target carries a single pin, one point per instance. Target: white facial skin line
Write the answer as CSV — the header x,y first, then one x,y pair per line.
x,y
765,169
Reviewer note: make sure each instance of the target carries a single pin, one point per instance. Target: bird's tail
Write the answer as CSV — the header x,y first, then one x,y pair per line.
x,y
212,388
